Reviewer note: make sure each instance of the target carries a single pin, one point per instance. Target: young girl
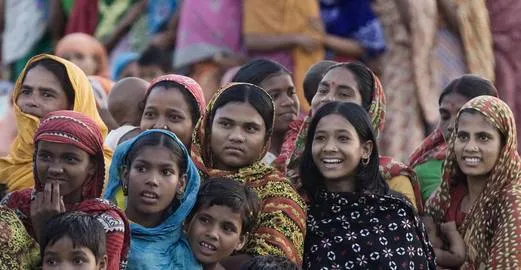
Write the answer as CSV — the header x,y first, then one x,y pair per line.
x,y
69,173
480,190
174,103
161,184
47,84
86,52
277,81
354,220
230,141
223,217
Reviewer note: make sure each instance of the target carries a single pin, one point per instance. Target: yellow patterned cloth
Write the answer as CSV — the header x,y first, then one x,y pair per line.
x,y
282,221
18,249
492,228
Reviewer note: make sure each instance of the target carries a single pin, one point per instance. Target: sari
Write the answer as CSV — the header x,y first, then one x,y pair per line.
x,y
365,231
78,130
86,45
492,228
16,168
19,249
281,224
395,173
287,17
163,246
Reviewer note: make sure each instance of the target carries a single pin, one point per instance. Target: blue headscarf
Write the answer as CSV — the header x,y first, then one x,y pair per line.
x,y
121,62
164,246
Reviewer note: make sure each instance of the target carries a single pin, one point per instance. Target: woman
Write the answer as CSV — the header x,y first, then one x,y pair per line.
x,y
86,52
352,82
69,172
480,188
156,228
288,31
47,84
354,220
206,44
427,159
230,141
276,80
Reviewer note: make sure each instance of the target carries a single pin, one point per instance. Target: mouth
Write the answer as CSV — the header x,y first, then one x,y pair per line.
x,y
207,248
149,196
471,161
331,162
285,115
234,149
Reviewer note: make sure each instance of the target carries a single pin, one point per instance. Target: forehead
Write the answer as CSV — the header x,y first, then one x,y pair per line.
x,y
341,76
166,97
41,77
222,213
239,112
453,101
281,80
157,154
475,122
57,148
334,122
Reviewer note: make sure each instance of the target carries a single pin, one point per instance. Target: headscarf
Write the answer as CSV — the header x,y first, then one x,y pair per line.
x,y
16,168
78,130
121,62
163,246
188,83
19,249
280,202
433,147
87,45
492,228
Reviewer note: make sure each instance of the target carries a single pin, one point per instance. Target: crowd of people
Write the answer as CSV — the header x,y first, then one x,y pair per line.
x,y
260,134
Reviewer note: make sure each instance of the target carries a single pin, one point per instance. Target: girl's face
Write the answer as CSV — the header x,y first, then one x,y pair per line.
x,y
87,63
166,108
449,108
238,136
153,180
337,151
338,84
66,165
64,254
214,233
41,93
282,91
477,146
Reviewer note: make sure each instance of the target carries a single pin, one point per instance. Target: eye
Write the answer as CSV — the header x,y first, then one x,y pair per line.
x,y
319,138
51,261
275,95
445,116
225,124
175,118
462,136
292,92
228,228
252,129
47,94
343,138
140,169
148,115
167,172
78,260
204,220
26,92
484,138
71,159
44,156
322,90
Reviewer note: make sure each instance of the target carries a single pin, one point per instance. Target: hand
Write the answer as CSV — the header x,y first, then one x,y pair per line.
x,y
46,205
307,43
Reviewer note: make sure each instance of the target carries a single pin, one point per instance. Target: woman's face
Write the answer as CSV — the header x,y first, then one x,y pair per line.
x,y
339,84
337,150
449,108
41,93
238,136
477,146
66,165
153,179
87,63
166,108
282,91
130,70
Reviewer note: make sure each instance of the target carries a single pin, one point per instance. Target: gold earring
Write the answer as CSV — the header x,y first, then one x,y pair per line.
x,y
365,161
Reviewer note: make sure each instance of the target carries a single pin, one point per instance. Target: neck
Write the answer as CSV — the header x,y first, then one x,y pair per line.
x,y
145,220
72,198
343,185
475,185
277,139
213,266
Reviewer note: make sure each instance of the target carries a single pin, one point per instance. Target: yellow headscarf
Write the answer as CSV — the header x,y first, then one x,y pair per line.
x,y
16,169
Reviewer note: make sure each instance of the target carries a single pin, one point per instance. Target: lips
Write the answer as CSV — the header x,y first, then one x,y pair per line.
x,y
149,196
234,149
331,163
471,161
207,248
287,115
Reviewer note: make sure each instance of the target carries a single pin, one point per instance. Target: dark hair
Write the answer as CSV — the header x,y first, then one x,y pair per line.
x,y
258,70
246,93
364,79
189,98
313,77
84,230
59,70
369,177
156,139
227,192
154,56
469,86
270,262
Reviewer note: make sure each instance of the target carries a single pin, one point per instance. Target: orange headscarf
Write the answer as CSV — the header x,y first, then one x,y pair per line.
x,y
16,169
86,44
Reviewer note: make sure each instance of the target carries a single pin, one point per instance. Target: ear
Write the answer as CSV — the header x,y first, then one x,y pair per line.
x,y
242,241
124,176
367,149
102,264
182,183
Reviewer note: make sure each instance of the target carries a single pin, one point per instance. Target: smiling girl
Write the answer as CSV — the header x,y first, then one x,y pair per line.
x,y
161,184
354,220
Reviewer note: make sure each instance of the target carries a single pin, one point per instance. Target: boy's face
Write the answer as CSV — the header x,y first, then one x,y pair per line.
x,y
214,233
64,255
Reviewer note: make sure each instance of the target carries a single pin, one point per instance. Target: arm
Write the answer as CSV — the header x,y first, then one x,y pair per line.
x,y
262,42
344,46
125,24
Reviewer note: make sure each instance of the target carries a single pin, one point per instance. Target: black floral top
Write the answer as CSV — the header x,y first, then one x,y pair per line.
x,y
349,231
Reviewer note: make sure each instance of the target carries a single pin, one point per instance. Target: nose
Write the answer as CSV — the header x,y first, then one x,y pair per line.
x,y
211,233
330,146
287,100
55,170
471,147
152,180
161,124
237,135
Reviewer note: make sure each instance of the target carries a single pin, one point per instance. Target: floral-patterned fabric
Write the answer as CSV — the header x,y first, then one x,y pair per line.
x,y
366,231
18,248
492,228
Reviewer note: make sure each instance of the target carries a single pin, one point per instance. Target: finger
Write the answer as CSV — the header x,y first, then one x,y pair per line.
x,y
47,193
62,205
56,195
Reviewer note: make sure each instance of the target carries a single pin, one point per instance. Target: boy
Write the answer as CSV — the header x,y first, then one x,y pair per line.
x,y
124,99
73,240
224,214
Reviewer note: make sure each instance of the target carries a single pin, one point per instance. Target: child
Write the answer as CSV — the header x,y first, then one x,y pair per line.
x,y
161,184
73,240
153,63
124,98
224,215
451,255
270,262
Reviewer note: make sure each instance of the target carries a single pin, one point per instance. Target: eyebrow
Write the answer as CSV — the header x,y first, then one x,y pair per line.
x,y
324,83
